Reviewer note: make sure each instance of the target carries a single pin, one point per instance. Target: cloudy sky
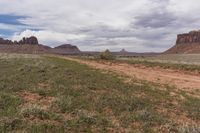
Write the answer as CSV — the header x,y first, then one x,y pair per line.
x,y
136,25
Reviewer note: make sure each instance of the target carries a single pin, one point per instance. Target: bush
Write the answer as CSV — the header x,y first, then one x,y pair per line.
x,y
106,55
7,124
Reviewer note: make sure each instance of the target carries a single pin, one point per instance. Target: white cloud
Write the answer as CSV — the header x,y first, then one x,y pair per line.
x,y
49,37
138,25
11,27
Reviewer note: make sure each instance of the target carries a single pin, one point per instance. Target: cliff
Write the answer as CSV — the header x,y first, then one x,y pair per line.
x,y
188,38
29,40
187,43
66,49
30,45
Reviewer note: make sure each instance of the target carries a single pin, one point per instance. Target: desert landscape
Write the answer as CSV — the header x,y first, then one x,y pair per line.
x,y
100,66
63,89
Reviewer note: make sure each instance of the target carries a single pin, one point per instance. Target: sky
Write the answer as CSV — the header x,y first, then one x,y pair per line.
x,y
96,25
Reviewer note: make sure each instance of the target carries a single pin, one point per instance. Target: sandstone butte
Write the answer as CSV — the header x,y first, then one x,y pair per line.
x,y
187,43
28,40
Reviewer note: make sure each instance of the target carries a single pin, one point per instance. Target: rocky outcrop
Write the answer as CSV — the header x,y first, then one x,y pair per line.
x,y
2,41
188,43
24,49
66,49
123,51
191,37
30,45
29,40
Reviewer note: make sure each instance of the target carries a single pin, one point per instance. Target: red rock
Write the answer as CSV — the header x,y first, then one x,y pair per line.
x,y
66,48
123,51
191,37
187,43
29,40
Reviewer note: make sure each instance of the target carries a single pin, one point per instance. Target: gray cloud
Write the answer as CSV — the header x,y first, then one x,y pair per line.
x,y
140,26
155,20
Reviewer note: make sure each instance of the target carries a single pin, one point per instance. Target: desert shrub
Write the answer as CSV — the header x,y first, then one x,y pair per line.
x,y
7,124
8,104
37,112
44,128
106,55
64,104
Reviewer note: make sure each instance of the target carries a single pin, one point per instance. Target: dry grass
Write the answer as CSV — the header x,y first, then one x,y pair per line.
x,y
48,94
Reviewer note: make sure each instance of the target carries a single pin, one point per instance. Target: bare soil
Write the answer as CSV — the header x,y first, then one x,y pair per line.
x,y
179,79
33,98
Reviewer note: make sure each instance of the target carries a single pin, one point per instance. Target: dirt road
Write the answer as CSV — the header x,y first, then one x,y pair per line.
x,y
161,76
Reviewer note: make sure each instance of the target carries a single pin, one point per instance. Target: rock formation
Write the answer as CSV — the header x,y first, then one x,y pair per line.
x,y
66,48
123,51
191,37
30,45
2,41
187,43
29,40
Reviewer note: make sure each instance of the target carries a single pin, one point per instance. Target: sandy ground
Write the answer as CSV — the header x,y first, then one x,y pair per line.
x,y
158,75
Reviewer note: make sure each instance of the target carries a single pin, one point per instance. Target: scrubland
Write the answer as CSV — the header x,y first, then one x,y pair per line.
x,y
41,93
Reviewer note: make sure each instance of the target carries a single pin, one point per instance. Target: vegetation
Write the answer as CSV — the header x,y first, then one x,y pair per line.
x,y
50,94
106,55
189,63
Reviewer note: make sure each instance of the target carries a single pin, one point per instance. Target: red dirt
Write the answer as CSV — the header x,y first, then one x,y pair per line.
x,y
181,80
33,98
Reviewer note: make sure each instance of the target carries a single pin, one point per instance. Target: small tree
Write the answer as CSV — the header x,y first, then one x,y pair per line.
x,y
106,55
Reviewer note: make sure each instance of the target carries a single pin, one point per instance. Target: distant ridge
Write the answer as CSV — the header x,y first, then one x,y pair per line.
x,y
187,43
66,48
69,47
30,45
29,40
27,45
123,51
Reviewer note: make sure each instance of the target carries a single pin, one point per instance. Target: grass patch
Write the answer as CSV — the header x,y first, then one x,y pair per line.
x,y
86,100
183,62
9,104
35,111
192,106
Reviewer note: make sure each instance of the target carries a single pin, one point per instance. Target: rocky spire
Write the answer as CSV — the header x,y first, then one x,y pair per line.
x,y
29,40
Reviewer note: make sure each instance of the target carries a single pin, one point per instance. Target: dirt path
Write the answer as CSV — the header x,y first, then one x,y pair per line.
x,y
181,80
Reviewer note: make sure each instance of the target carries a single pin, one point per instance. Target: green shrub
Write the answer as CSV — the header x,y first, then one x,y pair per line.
x,y
37,112
106,55
8,123
8,104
